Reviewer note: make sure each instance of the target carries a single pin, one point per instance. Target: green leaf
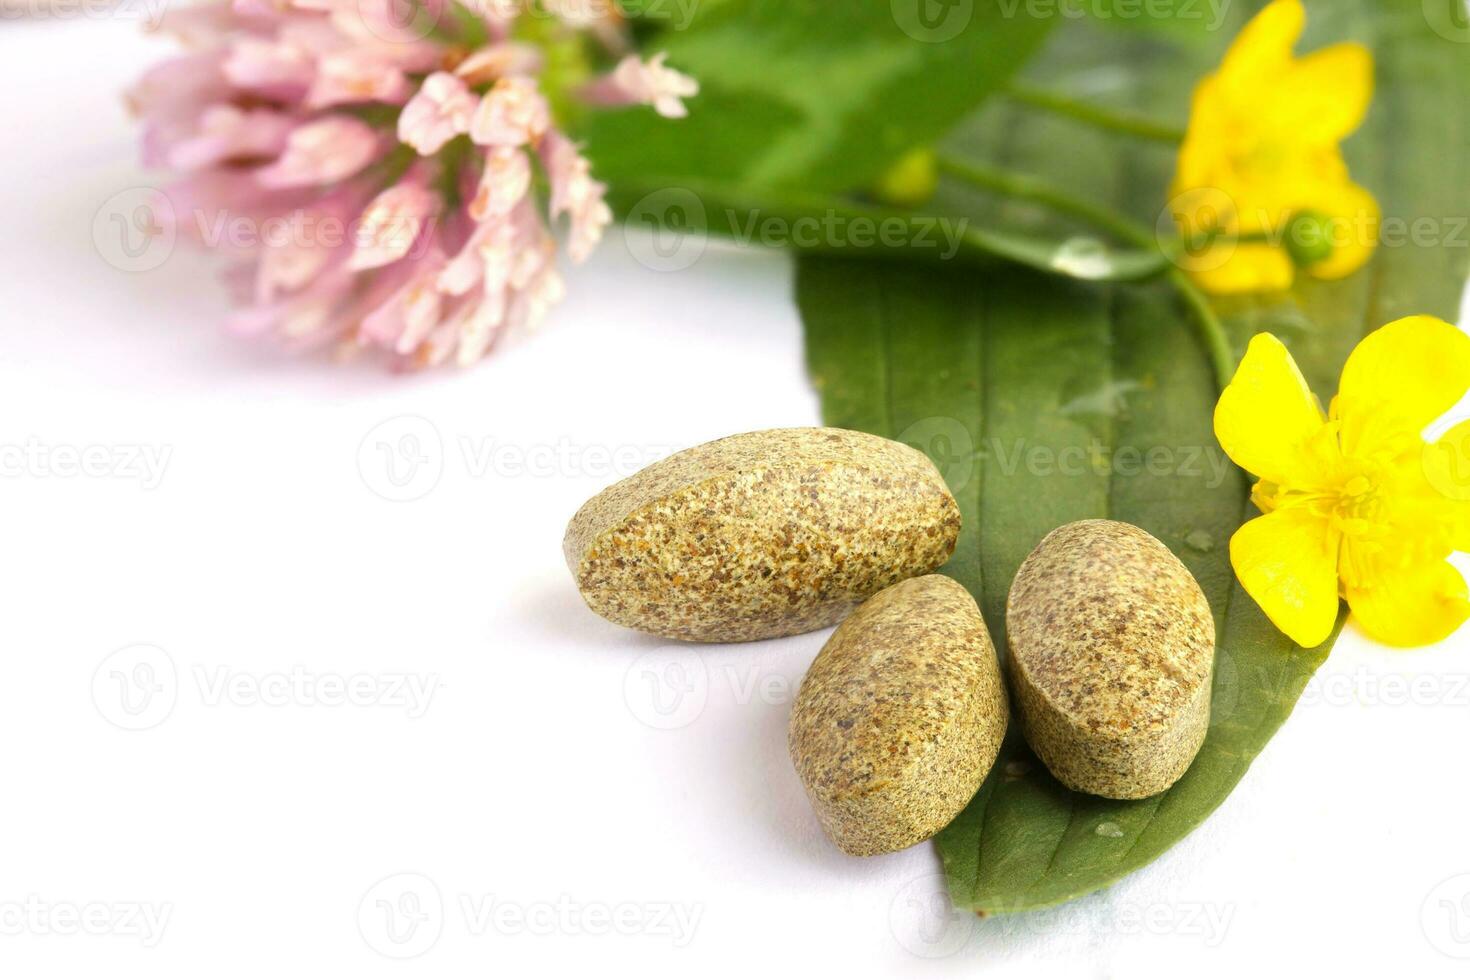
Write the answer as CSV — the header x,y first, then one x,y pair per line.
x,y
812,94
1045,401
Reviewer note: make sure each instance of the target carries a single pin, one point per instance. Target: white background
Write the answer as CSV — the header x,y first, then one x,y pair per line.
x,y
539,806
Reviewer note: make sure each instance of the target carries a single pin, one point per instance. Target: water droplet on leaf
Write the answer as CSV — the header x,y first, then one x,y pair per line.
x,y
1084,258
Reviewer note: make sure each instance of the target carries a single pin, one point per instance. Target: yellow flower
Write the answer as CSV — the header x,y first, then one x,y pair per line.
x,y
1262,187
1352,504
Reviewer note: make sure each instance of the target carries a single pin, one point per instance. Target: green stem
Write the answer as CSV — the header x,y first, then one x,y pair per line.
x,y
1212,332
738,214
1028,188
1113,120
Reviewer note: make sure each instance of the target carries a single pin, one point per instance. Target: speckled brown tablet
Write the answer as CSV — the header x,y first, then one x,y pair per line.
x,y
1111,652
760,535
900,717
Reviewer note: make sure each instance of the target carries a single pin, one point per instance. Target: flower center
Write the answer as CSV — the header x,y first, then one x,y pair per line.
x,y
1358,513
1359,502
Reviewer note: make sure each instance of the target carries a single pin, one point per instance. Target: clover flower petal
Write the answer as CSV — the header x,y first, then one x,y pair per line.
x,y
384,156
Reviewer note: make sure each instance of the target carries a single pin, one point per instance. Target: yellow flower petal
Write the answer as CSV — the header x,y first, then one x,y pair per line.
x,y
1353,232
1446,468
1203,147
1264,46
1325,95
1262,151
1232,270
1412,607
1397,381
1287,562
1267,414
